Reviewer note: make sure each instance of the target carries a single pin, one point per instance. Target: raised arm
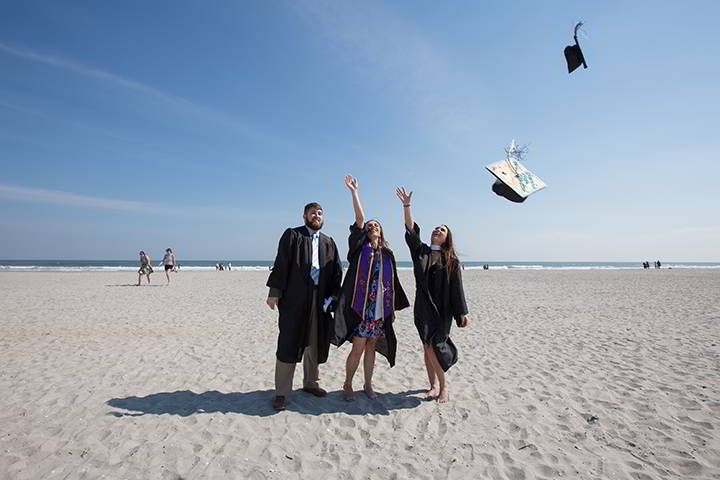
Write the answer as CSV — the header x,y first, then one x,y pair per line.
x,y
406,199
352,185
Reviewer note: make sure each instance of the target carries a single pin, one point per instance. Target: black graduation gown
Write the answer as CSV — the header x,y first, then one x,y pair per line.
x,y
433,322
346,319
291,275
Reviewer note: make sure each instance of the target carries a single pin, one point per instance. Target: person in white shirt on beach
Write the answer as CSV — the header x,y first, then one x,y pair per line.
x,y
169,262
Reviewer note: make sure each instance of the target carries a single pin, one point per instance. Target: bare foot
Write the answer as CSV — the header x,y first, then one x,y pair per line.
x,y
444,396
370,392
349,394
432,393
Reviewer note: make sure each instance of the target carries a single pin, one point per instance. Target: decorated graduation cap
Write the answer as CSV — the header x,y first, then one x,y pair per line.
x,y
513,180
573,53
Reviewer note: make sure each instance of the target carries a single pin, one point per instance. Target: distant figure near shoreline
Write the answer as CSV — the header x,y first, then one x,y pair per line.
x,y
145,268
169,262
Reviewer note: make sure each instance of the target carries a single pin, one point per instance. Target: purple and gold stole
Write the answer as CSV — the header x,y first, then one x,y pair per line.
x,y
362,282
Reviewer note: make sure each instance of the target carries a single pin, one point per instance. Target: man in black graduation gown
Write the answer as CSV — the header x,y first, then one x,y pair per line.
x,y
304,284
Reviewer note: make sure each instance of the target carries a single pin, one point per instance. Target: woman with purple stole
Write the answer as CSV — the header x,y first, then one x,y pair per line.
x,y
370,296
439,298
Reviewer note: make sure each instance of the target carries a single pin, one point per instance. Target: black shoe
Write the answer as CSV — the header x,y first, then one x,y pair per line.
x,y
279,403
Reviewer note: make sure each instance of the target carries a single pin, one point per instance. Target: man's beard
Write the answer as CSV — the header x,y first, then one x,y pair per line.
x,y
314,227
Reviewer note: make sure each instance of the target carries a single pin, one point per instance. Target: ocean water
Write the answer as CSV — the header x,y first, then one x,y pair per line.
x,y
209,265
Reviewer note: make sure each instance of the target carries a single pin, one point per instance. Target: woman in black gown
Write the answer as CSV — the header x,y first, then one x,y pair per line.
x,y
371,294
439,297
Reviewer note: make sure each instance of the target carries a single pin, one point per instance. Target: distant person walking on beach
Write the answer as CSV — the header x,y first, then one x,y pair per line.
x,y
439,297
169,262
304,282
371,293
145,268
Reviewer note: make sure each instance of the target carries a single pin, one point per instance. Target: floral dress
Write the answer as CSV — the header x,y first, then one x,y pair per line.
x,y
370,327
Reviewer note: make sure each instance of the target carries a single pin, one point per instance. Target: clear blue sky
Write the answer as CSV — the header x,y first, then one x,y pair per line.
x,y
206,126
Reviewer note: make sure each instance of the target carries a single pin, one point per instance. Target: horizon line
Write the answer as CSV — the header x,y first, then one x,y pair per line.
x,y
344,261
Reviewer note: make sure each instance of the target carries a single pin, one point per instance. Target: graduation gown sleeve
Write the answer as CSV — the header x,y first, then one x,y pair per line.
x,y
458,307
412,238
328,287
335,281
281,268
356,239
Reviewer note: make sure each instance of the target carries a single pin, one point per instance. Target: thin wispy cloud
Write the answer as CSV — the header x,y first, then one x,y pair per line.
x,y
170,100
23,110
68,199
75,124
89,71
151,151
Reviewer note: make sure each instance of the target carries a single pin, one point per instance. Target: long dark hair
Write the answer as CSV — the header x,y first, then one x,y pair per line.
x,y
448,250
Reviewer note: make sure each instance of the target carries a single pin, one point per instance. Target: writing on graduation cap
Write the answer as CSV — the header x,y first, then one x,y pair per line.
x,y
513,180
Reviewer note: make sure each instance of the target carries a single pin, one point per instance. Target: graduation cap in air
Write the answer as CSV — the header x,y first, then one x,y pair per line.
x,y
573,53
513,181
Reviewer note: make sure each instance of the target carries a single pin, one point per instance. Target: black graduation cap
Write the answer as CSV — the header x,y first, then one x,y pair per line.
x,y
504,190
573,54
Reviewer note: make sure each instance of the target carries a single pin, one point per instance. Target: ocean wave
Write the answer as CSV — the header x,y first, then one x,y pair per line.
x,y
490,267
105,268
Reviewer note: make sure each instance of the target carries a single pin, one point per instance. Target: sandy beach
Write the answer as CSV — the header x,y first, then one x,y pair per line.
x,y
563,374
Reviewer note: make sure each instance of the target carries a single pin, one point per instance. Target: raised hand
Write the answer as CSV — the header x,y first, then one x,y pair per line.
x,y
405,197
351,183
